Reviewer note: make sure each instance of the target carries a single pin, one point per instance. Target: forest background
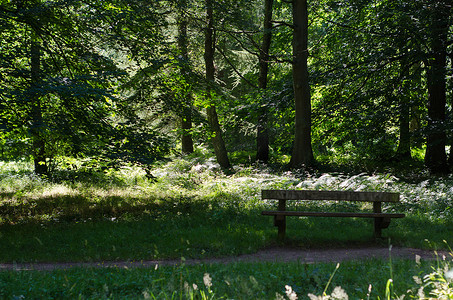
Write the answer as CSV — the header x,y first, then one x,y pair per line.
x,y
145,130
364,83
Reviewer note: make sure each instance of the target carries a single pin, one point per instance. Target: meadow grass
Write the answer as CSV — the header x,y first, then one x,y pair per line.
x,y
359,280
194,210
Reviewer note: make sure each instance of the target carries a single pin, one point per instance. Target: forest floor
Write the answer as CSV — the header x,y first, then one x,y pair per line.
x,y
274,254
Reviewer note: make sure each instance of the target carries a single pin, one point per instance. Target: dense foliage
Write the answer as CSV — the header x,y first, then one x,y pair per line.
x,y
125,81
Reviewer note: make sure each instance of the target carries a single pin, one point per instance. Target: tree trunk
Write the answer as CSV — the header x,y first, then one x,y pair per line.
x,y
450,158
435,156
302,154
186,120
186,138
262,137
404,146
39,156
217,140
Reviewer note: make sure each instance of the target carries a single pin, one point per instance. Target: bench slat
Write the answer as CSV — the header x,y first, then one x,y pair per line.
x,y
330,195
332,214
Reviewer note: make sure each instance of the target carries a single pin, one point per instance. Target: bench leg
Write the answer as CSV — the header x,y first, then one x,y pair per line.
x,y
377,228
377,208
280,223
379,224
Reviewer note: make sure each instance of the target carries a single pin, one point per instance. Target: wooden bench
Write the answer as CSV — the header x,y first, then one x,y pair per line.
x,y
381,220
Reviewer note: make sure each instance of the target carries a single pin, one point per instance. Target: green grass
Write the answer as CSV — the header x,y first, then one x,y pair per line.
x,y
233,281
195,211
144,238
197,237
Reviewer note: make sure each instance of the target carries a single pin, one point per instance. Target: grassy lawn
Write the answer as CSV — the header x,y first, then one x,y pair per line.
x,y
194,211
359,280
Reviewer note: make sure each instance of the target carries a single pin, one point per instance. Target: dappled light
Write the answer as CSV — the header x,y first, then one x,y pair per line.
x,y
190,194
234,149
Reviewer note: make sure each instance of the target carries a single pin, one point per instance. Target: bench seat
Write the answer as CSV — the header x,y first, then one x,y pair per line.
x,y
381,219
331,214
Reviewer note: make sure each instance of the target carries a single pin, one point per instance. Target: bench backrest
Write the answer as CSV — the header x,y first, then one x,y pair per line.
x,y
330,195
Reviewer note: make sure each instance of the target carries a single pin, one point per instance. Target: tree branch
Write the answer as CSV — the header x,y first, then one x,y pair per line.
x,y
234,68
282,23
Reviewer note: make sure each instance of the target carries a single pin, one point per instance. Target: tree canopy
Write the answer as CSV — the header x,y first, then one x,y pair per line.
x,y
129,81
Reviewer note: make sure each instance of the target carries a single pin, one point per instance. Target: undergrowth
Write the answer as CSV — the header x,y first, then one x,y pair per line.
x,y
192,209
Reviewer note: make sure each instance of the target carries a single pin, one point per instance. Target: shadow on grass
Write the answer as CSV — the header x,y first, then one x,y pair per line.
x,y
424,233
75,228
175,231
412,231
75,208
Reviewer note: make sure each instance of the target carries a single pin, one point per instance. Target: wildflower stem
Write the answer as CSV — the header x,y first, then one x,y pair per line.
x,y
330,279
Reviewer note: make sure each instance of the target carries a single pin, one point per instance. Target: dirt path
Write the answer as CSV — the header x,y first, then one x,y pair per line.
x,y
277,254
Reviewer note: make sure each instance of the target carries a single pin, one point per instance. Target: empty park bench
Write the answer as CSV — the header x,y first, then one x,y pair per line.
x,y
381,219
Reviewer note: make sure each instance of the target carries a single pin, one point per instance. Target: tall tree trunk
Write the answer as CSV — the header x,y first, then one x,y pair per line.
x,y
36,130
217,140
404,146
302,154
435,156
450,158
262,136
186,119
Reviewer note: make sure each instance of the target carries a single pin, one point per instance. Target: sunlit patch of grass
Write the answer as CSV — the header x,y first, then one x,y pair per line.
x,y
57,190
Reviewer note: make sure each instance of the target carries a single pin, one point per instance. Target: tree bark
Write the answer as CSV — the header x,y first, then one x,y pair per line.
x,y
39,156
435,156
186,138
262,137
186,119
302,154
216,138
450,158
404,146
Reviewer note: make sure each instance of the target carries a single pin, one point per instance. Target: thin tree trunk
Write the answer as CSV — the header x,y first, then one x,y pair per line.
x,y
36,111
302,154
450,158
186,120
217,140
435,156
404,146
186,138
262,137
